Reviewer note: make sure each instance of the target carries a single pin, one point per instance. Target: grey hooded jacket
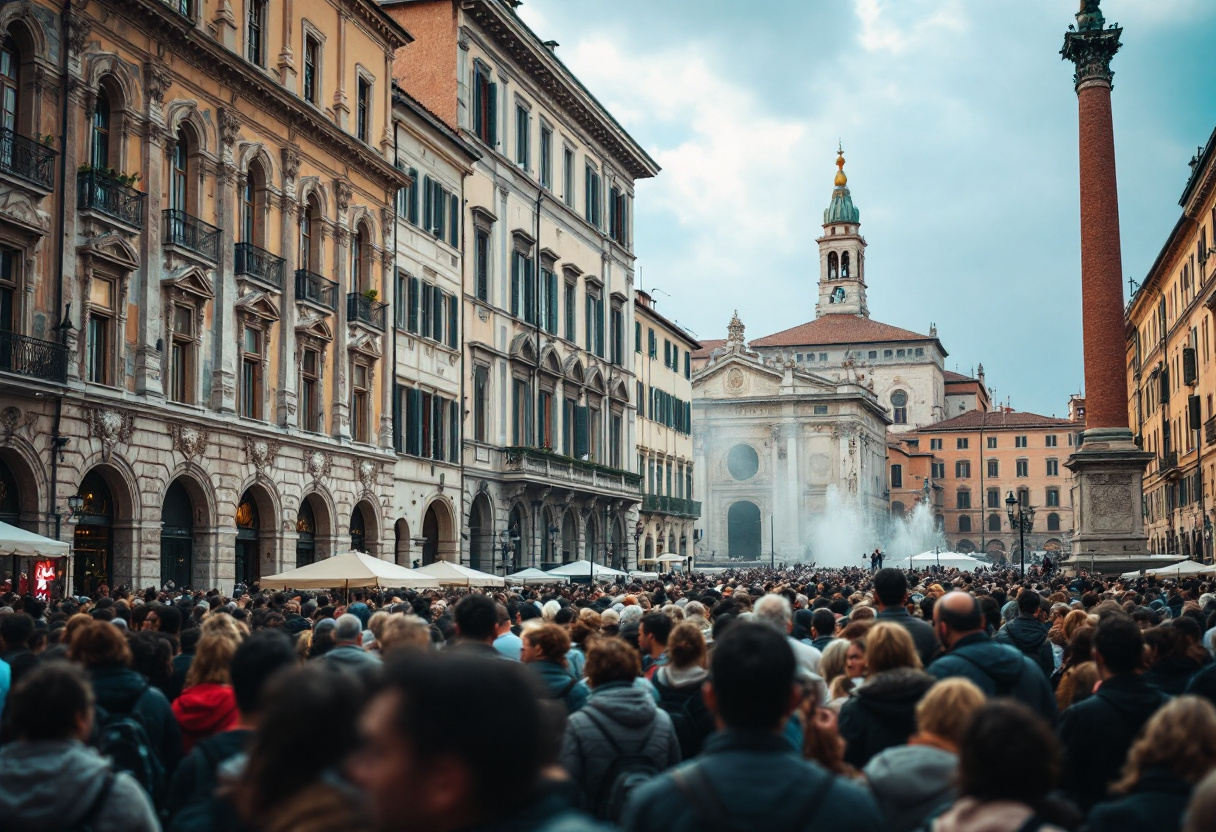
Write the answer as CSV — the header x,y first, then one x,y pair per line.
x,y
638,726
52,785
909,782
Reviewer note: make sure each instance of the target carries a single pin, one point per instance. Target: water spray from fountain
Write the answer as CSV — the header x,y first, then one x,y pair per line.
x,y
844,534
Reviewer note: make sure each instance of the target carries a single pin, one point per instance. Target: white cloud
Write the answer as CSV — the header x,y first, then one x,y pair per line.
x,y
881,33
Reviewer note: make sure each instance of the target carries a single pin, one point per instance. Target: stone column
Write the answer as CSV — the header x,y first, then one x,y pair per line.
x,y
1108,466
285,398
224,346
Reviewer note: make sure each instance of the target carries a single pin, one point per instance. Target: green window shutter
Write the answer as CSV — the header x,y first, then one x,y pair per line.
x,y
437,315
412,207
493,115
412,324
426,306
453,321
454,433
581,441
553,303
428,194
516,259
398,427
454,221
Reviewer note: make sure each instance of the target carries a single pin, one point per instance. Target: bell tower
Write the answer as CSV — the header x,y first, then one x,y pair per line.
x,y
842,285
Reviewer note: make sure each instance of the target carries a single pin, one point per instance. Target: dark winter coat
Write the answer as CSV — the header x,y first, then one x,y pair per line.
x,y
1203,683
561,684
116,688
1097,732
689,714
1030,636
1158,802
196,778
927,645
637,726
998,670
762,782
881,714
1172,674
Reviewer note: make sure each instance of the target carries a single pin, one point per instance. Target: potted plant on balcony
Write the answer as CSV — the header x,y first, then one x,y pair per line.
x,y
371,295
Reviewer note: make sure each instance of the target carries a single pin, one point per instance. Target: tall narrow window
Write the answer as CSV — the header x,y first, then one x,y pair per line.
x,y
247,211
358,266
179,176
310,391
10,61
481,264
592,208
312,81
101,131
181,357
571,311
251,374
481,403
360,402
546,156
254,32
523,137
363,110
568,177
617,336
485,105
9,260
308,218
100,333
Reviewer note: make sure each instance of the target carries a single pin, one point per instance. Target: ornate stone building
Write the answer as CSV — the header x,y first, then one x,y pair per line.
x,y
771,439
193,260
547,223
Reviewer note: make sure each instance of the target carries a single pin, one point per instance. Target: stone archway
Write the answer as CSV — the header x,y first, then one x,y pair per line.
x,y
401,542
743,533
314,529
569,536
481,534
104,538
177,537
256,535
364,528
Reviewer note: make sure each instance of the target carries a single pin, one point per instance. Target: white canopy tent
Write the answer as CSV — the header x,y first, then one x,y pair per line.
x,y
454,574
1181,570
18,543
947,560
353,569
581,568
535,576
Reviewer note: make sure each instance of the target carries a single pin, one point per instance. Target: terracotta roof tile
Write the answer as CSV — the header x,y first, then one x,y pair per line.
x,y
838,329
952,377
708,345
973,419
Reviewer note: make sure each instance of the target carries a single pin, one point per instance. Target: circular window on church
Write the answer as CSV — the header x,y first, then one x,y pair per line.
x,y
899,398
899,407
742,462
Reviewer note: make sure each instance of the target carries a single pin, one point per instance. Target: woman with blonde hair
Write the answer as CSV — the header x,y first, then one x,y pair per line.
x,y
832,665
881,713
207,706
911,781
1175,751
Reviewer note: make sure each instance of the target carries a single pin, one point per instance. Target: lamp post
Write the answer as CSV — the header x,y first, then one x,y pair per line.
x,y
509,539
554,531
638,530
1021,518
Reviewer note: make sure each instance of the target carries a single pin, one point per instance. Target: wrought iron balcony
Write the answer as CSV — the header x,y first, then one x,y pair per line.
x,y
98,191
1168,462
361,308
541,466
675,506
313,288
191,233
259,264
27,159
182,7
32,357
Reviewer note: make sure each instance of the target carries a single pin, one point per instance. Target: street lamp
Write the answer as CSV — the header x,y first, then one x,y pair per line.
x,y
638,530
510,543
1021,518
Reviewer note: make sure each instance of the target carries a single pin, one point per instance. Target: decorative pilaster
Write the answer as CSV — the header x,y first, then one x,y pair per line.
x,y
150,337
225,356
285,404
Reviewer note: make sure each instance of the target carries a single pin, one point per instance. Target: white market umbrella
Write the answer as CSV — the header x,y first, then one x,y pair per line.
x,y
355,569
671,557
950,560
15,542
535,576
580,569
1180,569
454,574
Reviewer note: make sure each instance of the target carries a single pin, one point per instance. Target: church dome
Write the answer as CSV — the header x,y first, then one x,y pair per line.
x,y
841,208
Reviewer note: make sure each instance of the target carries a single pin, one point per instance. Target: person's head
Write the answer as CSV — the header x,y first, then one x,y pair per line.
x,y
653,631
404,632
477,618
545,642
686,646
1007,753
1030,603
956,615
1077,684
433,742
348,629
945,709
889,647
254,663
890,587
611,660
52,702
823,622
833,662
15,630
99,644
753,678
775,610
1180,737
855,659
1073,621
1118,646
212,661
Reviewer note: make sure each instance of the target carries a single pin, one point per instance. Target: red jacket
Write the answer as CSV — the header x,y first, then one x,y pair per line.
x,y
204,710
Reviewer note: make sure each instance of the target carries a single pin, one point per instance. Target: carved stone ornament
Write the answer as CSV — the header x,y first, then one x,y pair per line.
x,y
79,30
291,163
736,382
156,80
343,191
318,464
367,476
111,427
190,441
261,453
230,126
13,420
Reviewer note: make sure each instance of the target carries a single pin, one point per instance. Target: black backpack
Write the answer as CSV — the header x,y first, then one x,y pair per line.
x,y
689,715
626,772
122,737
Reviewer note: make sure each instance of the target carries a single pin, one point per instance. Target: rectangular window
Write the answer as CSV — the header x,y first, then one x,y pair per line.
x,y
652,343
1051,440
522,135
897,476
453,321
437,317
363,110
688,365
821,410
961,443
1053,498
1023,468
994,498
617,337
481,403
618,209
991,441
412,304
1053,467
938,470
935,444
544,419
485,105
546,156
481,264
637,336
401,292
568,427
310,391
571,311
312,78
517,280
360,402
426,306
1019,442
255,26
963,499
181,357
521,413
568,177
251,370
962,469
592,209
994,468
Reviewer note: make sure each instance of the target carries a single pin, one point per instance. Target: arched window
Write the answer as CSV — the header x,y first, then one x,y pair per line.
x,y
253,196
833,266
101,131
10,87
1053,522
179,175
844,266
899,407
360,279
994,522
309,257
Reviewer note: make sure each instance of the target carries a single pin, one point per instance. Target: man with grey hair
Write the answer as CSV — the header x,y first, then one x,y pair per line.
x,y
775,610
348,653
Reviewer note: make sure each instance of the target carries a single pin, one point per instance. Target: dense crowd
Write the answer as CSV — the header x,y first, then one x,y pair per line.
x,y
793,699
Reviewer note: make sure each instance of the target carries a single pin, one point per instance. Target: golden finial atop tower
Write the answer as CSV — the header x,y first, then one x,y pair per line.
x,y
841,179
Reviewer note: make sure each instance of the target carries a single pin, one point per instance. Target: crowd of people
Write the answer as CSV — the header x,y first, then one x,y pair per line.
x,y
777,699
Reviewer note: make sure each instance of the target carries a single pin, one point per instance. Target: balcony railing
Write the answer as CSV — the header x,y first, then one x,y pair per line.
x,y
361,308
32,357
182,7
102,192
546,465
191,233
259,264
27,159
675,506
313,288
1168,462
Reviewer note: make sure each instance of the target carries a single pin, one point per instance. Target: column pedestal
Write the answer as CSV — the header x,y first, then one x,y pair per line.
x,y
1108,471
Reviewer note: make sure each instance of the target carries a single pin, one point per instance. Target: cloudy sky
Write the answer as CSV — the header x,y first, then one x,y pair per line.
x,y
959,124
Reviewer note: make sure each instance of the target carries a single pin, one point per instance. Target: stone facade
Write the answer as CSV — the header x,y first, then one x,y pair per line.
x,y
202,359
